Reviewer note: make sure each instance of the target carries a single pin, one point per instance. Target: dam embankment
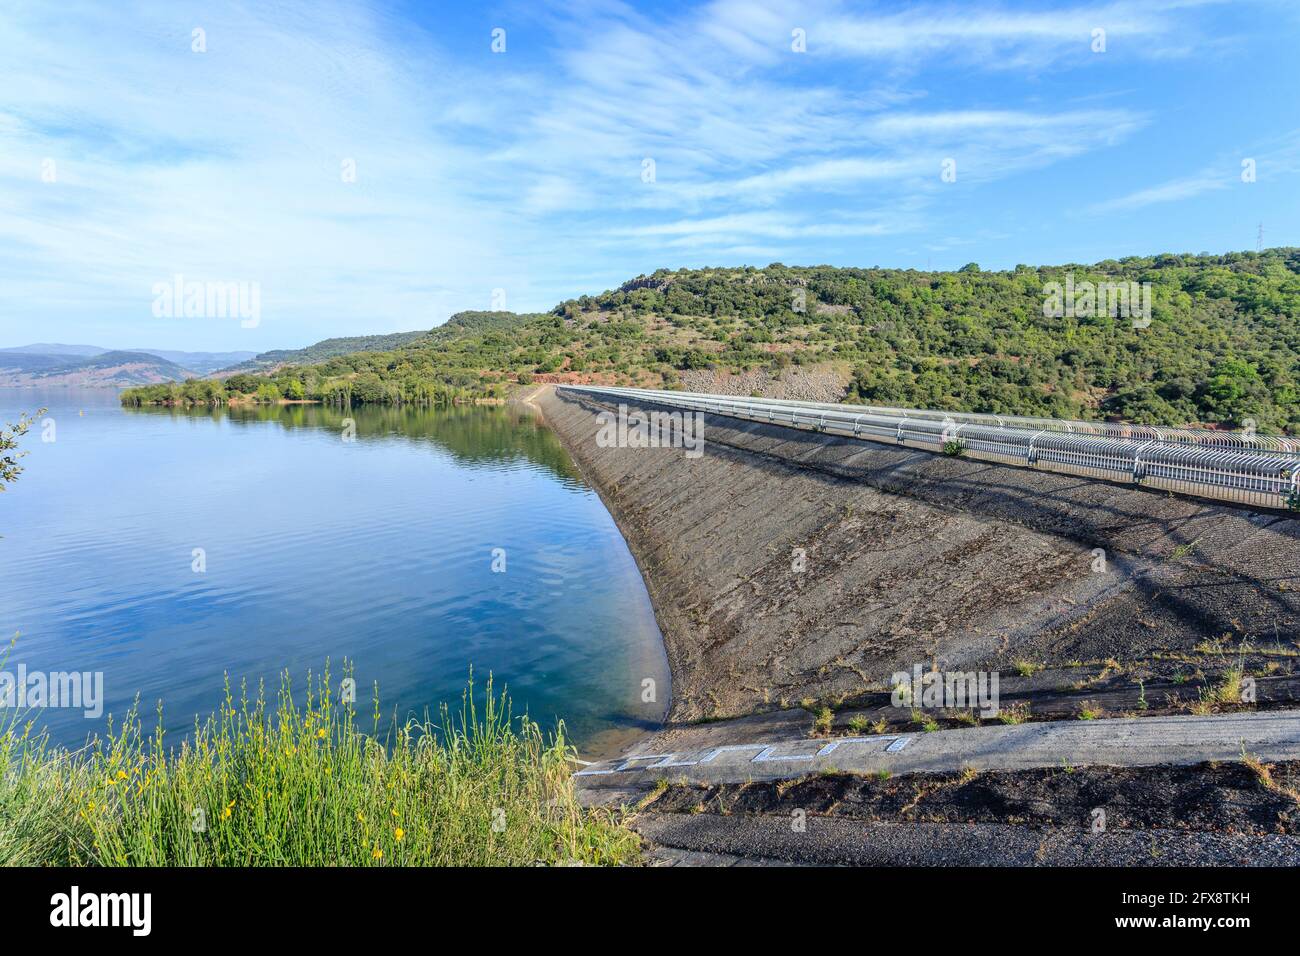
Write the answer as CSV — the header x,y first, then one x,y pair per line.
x,y
785,564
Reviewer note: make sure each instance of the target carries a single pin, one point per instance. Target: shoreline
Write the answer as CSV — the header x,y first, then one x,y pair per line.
x,y
621,740
249,403
664,613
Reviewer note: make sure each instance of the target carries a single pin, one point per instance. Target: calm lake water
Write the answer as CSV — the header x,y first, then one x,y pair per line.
x,y
379,550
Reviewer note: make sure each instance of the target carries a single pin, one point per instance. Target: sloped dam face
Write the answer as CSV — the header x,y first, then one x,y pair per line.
x,y
785,565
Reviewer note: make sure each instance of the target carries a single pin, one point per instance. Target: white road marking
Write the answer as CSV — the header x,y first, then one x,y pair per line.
x,y
766,753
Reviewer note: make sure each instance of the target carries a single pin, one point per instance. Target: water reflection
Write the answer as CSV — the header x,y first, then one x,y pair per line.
x,y
378,550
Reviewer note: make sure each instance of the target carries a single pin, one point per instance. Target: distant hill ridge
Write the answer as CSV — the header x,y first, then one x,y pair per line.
x,y
1218,345
63,364
324,349
110,368
55,354
459,325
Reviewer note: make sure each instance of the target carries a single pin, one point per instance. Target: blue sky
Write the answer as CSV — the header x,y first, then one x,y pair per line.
x,y
524,173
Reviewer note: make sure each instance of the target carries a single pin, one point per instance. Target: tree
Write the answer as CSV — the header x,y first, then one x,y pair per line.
x,y
247,384
9,435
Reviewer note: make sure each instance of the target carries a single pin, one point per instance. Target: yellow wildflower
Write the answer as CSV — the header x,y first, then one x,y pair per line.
x,y
399,833
377,855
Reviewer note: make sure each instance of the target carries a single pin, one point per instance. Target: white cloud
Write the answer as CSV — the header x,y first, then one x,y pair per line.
x,y
1172,191
770,225
521,171
987,36
1273,160
227,165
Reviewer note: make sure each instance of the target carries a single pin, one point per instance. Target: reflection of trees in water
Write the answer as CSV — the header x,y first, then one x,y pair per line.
x,y
474,435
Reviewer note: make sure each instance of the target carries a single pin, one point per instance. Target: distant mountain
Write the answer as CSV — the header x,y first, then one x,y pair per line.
x,y
17,361
57,348
195,363
116,369
47,363
202,362
325,349
56,363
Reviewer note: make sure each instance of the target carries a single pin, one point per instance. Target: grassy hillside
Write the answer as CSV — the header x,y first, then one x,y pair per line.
x,y
1223,345
323,350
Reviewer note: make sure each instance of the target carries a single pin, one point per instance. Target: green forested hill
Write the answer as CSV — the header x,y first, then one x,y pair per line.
x,y
1223,344
322,350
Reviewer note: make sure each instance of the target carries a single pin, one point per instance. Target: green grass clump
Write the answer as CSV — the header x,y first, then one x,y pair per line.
x,y
822,725
299,784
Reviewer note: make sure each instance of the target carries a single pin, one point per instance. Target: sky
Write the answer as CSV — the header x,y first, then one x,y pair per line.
x,y
366,167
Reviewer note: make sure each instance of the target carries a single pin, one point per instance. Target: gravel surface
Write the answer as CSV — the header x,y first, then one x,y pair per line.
x,y
1227,797
844,842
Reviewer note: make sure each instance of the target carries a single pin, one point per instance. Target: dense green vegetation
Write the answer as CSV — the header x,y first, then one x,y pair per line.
x,y
452,363
1223,345
298,783
326,349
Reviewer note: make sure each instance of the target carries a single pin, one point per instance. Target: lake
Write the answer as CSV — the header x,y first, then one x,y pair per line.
x,y
167,548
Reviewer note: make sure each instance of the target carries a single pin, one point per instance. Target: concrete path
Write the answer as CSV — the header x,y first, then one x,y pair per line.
x,y
1142,741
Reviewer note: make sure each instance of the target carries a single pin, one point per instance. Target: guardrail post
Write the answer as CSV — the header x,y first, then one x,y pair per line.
x,y
1033,452
1137,462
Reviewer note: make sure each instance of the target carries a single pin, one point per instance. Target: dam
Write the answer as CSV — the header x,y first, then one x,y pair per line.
x,y
793,562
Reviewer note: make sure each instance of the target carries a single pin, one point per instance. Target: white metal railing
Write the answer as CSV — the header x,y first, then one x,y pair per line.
x,y
1261,470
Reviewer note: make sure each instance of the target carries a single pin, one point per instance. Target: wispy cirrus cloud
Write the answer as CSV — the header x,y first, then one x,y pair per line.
x,y
606,139
731,116
1172,190
995,36
766,225
1273,160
